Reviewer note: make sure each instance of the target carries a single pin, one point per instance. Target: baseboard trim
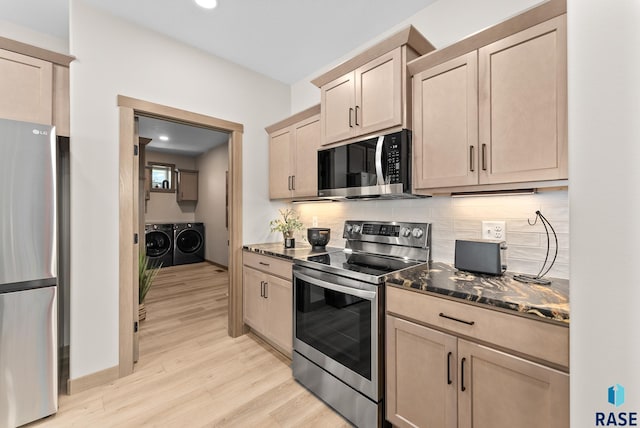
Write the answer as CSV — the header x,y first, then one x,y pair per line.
x,y
92,380
217,264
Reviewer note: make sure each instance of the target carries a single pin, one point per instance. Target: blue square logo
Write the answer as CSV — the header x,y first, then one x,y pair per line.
x,y
616,395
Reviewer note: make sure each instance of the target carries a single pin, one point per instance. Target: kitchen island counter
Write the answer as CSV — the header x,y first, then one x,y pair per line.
x,y
502,292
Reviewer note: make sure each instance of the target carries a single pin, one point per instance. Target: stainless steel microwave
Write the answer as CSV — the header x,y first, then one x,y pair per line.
x,y
375,167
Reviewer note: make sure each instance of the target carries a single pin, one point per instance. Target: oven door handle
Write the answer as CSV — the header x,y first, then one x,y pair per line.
x,y
364,294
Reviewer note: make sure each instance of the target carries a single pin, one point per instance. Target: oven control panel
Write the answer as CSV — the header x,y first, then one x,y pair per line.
x,y
397,233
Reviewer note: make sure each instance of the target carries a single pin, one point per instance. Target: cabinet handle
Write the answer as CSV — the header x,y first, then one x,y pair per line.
x,y
265,264
293,182
462,387
266,290
484,157
261,288
357,108
471,159
289,183
457,319
449,381
350,113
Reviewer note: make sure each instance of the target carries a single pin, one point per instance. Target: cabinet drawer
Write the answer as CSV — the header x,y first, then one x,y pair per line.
x,y
270,265
538,339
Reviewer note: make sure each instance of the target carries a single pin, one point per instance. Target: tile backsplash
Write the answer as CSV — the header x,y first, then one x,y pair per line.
x,y
461,218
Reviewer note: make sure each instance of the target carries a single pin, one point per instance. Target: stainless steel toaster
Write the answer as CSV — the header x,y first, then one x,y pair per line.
x,y
481,256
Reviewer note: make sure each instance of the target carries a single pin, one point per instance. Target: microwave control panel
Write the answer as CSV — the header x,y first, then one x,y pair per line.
x,y
393,163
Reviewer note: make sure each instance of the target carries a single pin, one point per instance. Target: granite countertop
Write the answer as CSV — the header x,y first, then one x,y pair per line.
x,y
549,302
276,249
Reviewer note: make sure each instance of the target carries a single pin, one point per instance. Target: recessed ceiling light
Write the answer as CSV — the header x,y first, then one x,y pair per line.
x,y
164,138
207,4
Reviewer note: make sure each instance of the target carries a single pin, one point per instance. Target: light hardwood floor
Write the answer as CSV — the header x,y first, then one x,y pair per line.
x,y
192,374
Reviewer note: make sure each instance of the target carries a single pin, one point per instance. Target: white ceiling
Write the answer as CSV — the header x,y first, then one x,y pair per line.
x,y
287,40
183,140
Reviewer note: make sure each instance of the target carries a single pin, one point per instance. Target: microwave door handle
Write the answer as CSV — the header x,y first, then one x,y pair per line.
x,y
364,294
379,172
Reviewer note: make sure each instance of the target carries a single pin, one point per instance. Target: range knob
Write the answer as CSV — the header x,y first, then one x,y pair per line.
x,y
356,228
405,232
417,233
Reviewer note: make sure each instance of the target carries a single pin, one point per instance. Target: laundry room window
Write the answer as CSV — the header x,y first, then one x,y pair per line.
x,y
162,177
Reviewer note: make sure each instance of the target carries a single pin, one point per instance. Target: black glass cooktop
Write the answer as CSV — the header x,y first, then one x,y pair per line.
x,y
365,264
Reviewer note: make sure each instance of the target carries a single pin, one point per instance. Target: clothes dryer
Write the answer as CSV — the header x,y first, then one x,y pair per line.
x,y
189,242
159,244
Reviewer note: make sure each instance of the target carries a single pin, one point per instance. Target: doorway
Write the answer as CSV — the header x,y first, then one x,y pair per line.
x,y
130,215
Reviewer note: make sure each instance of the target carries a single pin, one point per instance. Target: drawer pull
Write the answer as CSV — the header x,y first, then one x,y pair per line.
x,y
449,381
457,319
462,387
265,264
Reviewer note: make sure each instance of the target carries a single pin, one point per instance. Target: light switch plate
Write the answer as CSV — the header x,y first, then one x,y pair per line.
x,y
494,230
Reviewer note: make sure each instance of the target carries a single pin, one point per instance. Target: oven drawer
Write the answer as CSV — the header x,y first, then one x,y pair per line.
x,y
538,339
270,265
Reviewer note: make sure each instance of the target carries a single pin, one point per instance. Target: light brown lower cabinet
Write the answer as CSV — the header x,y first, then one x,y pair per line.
x,y
437,380
268,305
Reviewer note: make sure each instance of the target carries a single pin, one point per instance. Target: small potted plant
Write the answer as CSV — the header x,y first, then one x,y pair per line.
x,y
288,224
146,274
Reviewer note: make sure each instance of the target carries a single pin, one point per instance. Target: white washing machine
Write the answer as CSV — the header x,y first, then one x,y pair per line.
x,y
188,243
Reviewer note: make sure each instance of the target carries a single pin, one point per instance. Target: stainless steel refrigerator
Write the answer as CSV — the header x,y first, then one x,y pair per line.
x,y
28,266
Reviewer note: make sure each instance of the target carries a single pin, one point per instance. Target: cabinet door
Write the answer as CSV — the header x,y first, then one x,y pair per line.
x,y
523,105
253,303
187,186
280,156
280,312
26,85
379,93
421,376
445,137
338,109
503,391
307,141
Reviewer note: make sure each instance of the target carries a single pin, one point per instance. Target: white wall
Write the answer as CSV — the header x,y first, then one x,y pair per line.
x,y
442,23
604,151
115,57
163,207
211,209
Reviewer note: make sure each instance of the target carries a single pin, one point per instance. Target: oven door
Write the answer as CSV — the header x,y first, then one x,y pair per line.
x,y
336,325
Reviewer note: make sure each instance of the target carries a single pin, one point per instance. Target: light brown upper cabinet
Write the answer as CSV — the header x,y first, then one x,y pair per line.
x,y
492,109
34,84
523,105
369,93
26,87
187,190
293,162
445,132
365,100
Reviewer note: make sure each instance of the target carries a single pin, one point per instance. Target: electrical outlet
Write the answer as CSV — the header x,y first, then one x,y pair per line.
x,y
494,230
314,220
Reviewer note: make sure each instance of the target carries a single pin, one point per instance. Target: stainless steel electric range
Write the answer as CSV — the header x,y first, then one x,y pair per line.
x,y
338,327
